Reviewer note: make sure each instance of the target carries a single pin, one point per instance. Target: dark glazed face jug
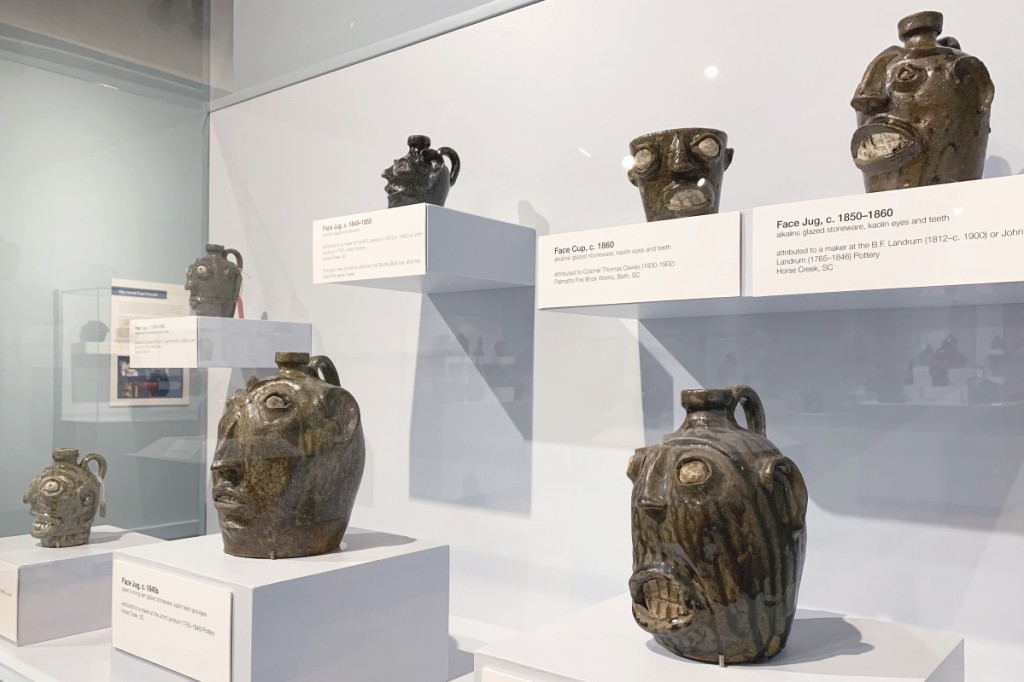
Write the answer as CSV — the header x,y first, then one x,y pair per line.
x,y
718,533
421,176
923,111
65,499
214,282
289,461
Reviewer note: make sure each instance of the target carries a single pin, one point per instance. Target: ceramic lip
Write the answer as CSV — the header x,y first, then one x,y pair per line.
x,y
668,583
706,191
879,125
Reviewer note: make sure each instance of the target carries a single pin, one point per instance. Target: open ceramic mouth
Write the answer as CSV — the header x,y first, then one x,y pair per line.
x,y
660,603
687,198
43,523
229,503
393,189
882,142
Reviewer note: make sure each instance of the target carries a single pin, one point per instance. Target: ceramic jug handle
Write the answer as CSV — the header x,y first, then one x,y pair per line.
x,y
99,459
454,159
238,257
752,407
321,365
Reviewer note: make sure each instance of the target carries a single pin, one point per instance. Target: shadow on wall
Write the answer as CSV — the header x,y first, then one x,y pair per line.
x,y
472,413
908,414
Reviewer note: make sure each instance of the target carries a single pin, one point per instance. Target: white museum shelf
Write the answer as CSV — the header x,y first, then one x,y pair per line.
x,y
49,593
939,246
204,342
424,249
376,610
602,643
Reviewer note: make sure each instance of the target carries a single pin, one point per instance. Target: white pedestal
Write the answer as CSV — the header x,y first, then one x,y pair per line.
x,y
423,248
192,342
637,270
377,610
47,593
603,644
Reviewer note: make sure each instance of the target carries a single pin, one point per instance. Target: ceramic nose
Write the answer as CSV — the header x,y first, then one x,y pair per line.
x,y
653,495
679,160
226,472
870,102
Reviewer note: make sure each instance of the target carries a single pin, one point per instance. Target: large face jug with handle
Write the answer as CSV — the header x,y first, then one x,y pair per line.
x,y
288,463
214,282
65,498
421,176
718,533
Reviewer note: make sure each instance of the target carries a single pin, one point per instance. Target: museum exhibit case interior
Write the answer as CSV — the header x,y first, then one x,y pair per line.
x,y
501,392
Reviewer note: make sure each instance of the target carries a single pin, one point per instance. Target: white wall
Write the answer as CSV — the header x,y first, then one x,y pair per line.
x,y
916,511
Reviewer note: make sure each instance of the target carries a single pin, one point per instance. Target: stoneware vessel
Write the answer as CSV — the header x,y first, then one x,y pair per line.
x,y
922,111
421,175
288,462
215,282
679,172
65,498
718,533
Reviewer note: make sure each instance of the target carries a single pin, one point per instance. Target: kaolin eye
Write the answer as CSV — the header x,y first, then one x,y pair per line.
x,y
709,147
643,159
693,472
52,487
906,74
276,402
636,463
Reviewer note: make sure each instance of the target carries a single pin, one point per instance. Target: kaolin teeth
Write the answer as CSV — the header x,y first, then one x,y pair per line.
x,y
663,599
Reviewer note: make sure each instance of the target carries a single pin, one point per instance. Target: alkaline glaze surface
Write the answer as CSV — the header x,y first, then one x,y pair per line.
x,y
214,282
679,172
65,498
718,533
922,111
288,463
421,176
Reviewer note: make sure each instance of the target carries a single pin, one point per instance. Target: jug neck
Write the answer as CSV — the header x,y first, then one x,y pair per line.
x,y
65,456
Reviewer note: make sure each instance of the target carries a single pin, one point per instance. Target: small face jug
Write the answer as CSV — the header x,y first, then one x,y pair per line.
x,y
679,172
288,462
421,176
718,534
65,499
214,282
922,111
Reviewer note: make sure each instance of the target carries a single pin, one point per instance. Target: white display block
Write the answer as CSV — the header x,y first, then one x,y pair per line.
x,y
943,235
603,644
376,610
668,260
423,248
192,342
48,593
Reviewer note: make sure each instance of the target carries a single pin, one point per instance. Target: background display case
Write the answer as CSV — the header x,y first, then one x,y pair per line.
x,y
495,428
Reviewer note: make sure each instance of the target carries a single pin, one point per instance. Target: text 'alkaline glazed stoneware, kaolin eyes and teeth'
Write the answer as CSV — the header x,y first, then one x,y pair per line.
x,y
679,172
214,282
718,516
922,111
65,498
288,463
420,177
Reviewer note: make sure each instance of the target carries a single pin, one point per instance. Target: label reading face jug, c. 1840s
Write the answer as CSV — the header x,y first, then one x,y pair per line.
x,y
288,462
718,533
